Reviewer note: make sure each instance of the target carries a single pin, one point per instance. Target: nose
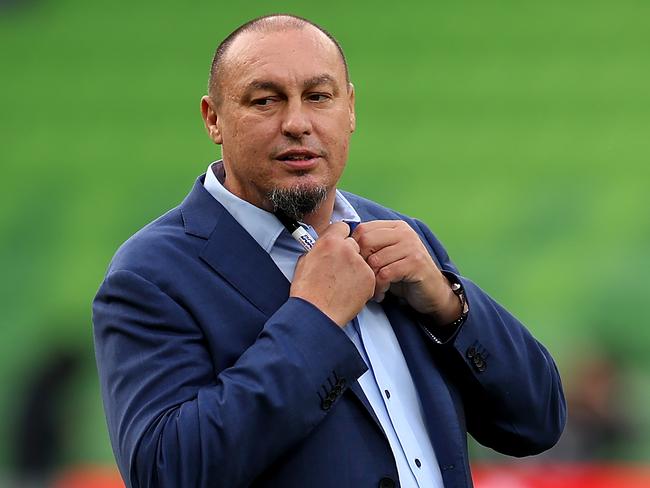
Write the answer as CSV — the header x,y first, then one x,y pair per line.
x,y
296,122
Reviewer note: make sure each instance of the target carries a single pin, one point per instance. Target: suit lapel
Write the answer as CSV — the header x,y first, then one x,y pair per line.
x,y
232,252
238,258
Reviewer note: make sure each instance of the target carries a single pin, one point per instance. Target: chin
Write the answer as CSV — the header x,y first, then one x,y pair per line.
x,y
298,199
302,180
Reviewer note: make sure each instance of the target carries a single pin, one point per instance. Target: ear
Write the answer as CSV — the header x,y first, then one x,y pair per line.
x,y
211,119
353,118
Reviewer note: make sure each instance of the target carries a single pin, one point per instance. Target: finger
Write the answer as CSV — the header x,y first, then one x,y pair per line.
x,y
373,225
379,295
351,242
379,298
383,282
394,272
387,255
380,291
396,289
337,229
372,241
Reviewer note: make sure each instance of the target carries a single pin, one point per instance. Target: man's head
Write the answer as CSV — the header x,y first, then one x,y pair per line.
x,y
281,106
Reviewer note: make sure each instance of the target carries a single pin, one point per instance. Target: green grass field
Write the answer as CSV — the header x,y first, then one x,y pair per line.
x,y
519,131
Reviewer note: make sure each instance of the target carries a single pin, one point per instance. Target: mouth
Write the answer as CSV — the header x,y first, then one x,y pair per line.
x,y
298,158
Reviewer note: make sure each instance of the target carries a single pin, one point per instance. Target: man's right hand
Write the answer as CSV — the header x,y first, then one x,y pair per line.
x,y
333,276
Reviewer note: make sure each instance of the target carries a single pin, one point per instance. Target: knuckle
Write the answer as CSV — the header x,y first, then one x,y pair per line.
x,y
361,240
423,258
383,274
325,241
407,229
343,226
335,229
352,244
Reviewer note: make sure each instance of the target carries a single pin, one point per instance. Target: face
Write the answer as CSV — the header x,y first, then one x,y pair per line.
x,y
285,114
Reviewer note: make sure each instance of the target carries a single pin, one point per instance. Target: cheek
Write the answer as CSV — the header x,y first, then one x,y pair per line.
x,y
244,122
248,137
339,141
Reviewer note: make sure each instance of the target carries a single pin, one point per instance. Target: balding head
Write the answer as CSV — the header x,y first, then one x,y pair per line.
x,y
265,24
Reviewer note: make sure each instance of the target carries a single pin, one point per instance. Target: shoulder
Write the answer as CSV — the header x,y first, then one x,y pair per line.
x,y
158,247
371,210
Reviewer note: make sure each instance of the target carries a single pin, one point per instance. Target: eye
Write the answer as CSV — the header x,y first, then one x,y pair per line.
x,y
262,102
318,97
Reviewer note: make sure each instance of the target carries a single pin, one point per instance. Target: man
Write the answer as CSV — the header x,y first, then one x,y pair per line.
x,y
229,357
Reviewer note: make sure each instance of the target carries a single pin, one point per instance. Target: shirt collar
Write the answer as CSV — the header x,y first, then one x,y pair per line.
x,y
263,226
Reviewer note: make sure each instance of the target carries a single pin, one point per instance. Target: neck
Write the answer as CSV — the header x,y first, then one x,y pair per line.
x,y
320,218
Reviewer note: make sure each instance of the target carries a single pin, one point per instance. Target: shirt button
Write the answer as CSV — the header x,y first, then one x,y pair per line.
x,y
417,462
387,393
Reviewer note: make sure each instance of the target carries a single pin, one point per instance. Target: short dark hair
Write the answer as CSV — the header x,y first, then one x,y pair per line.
x,y
266,23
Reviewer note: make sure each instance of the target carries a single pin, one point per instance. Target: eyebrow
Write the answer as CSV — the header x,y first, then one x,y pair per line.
x,y
312,82
323,79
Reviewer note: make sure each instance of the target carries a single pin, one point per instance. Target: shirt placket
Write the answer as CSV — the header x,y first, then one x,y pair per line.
x,y
418,464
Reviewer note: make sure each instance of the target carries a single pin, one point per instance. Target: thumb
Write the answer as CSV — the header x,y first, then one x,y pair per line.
x,y
337,229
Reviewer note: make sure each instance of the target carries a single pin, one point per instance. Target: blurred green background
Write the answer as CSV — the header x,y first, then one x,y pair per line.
x,y
519,131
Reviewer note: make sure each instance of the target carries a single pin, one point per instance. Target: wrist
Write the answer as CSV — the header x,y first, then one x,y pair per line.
x,y
461,307
452,308
439,331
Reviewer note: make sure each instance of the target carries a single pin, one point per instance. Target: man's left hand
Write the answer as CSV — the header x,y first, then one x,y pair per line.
x,y
403,266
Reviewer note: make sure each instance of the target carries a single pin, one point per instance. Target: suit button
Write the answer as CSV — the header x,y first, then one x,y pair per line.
x,y
479,363
471,352
326,404
386,483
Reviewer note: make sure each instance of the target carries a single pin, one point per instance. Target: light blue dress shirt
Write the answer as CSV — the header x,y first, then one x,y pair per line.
x,y
387,384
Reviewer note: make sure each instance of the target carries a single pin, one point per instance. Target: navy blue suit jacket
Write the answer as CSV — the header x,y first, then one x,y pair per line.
x,y
212,376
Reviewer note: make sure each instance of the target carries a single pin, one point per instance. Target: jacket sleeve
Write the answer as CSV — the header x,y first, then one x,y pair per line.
x,y
175,422
509,383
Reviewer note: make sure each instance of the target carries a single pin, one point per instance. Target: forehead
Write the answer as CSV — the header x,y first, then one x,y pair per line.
x,y
284,56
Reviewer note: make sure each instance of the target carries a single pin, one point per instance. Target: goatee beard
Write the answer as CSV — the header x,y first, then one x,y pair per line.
x,y
297,201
